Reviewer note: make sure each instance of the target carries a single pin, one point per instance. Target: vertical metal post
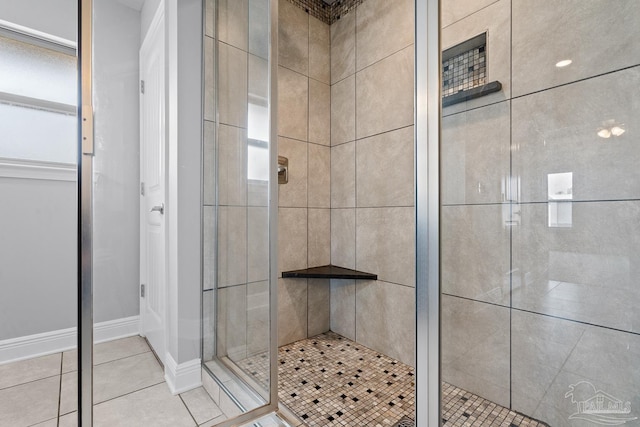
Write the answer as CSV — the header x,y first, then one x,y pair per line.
x,y
428,113
273,203
85,216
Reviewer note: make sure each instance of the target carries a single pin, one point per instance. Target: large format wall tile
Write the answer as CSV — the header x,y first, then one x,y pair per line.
x,y
232,246
292,310
209,80
343,176
292,239
319,112
564,139
383,27
294,192
384,169
293,104
232,322
232,166
343,237
540,347
603,360
454,10
233,19
319,240
257,318
343,308
232,91
385,319
319,183
210,18
319,50
384,94
586,271
496,21
385,243
318,306
259,22
257,244
475,252
208,246
209,164
293,37
343,111
343,47
475,155
475,347
597,36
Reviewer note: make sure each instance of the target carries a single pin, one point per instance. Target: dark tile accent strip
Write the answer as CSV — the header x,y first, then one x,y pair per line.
x,y
325,12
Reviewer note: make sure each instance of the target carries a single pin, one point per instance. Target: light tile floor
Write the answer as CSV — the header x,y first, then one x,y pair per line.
x,y
129,390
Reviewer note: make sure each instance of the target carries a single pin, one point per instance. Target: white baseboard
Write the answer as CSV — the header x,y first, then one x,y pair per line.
x,y
30,346
184,376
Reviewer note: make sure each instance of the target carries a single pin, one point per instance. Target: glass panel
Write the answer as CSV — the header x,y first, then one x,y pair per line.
x,y
540,203
37,72
32,134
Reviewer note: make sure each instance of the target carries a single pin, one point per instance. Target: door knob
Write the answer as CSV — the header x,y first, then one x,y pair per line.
x,y
159,208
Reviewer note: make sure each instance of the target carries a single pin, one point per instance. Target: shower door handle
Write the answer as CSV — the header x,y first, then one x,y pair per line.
x,y
159,208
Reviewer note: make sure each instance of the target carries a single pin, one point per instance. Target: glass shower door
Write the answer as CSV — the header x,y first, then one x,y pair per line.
x,y
539,214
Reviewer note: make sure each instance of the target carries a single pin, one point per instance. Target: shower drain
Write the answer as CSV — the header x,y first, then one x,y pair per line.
x,y
405,422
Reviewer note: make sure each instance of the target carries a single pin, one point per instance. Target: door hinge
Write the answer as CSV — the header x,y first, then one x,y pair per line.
x,y
141,86
142,290
142,188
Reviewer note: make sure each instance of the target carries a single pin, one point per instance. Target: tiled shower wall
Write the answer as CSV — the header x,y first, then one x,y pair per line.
x,y
346,125
372,181
532,305
304,202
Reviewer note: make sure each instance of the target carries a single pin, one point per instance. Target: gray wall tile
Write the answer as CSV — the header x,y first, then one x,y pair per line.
x,y
383,27
319,240
343,176
319,183
343,308
293,37
385,319
233,20
585,272
319,306
232,93
208,238
319,112
343,47
294,193
475,252
209,164
259,22
293,104
475,347
319,50
384,94
257,318
292,310
384,169
232,246
564,138
232,322
210,21
454,10
232,165
292,239
343,237
475,153
258,244
385,243
343,111
583,31
209,80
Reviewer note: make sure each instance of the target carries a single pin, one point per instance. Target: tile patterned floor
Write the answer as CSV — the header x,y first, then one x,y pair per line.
x,y
129,389
329,380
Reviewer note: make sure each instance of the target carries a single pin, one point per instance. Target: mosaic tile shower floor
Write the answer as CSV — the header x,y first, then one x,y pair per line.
x,y
329,380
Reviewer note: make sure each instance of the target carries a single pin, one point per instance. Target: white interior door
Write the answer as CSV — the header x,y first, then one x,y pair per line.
x,y
152,177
